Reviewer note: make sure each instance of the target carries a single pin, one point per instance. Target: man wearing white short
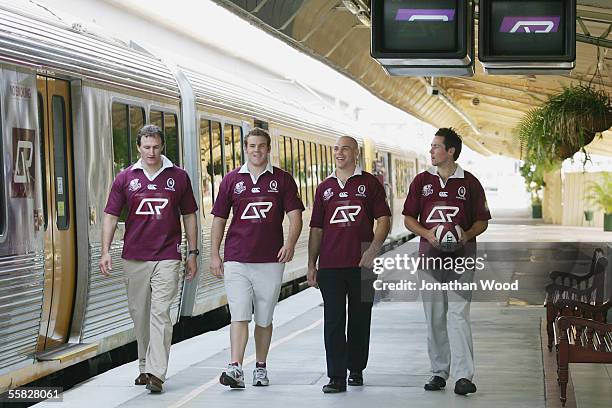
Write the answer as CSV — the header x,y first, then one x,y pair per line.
x,y
258,196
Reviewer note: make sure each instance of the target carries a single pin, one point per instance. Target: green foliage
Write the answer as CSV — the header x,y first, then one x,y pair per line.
x,y
534,179
565,124
600,194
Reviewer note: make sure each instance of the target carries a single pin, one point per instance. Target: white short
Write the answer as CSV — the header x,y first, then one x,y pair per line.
x,y
253,289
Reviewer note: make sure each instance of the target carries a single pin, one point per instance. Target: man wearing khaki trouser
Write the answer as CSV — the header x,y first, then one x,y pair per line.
x,y
155,193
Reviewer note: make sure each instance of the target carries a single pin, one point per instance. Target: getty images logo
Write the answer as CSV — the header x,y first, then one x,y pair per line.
x,y
256,210
151,206
425,15
532,24
345,213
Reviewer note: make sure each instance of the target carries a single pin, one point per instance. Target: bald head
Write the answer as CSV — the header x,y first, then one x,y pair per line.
x,y
346,151
348,141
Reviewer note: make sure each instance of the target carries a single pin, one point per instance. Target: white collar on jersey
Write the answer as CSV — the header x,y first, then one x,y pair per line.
x,y
459,173
166,163
358,171
245,169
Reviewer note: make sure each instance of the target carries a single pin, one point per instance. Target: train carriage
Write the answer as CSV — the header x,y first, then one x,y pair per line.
x,y
71,103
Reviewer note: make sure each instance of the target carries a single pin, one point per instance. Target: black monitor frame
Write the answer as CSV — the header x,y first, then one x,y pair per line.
x,y
462,56
484,45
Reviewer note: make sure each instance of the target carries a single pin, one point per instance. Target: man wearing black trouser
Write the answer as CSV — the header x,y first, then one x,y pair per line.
x,y
344,243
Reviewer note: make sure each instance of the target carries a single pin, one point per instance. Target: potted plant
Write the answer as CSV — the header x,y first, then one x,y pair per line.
x,y
534,181
600,194
566,123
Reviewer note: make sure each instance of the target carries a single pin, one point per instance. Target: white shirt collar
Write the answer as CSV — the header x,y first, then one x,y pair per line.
x,y
166,163
245,169
358,171
459,173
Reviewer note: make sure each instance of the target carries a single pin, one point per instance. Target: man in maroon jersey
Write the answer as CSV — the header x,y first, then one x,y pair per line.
x,y
258,195
444,194
342,240
155,193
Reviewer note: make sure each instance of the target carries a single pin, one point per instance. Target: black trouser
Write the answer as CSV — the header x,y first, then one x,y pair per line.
x,y
336,285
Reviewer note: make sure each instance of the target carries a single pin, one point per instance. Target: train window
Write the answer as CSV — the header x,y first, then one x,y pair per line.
x,y
60,155
137,121
321,160
157,119
43,160
281,153
228,148
168,124
3,205
238,146
206,165
330,159
295,156
171,132
361,157
121,141
302,170
288,148
217,157
312,174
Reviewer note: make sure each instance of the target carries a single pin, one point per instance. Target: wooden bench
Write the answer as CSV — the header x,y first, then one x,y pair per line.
x,y
580,340
588,288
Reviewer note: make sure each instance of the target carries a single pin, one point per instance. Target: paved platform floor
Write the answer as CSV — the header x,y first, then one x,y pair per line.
x,y
507,344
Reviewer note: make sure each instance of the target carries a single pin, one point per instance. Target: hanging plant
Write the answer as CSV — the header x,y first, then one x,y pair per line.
x,y
566,123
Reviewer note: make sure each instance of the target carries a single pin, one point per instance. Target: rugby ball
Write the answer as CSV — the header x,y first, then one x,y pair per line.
x,y
448,236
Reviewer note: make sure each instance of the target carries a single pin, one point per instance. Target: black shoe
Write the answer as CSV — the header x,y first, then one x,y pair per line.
x,y
335,385
355,378
464,386
436,383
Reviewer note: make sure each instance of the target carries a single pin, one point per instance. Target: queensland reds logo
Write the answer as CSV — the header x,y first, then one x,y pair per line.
x,y
327,194
427,190
461,193
273,187
170,184
239,188
361,190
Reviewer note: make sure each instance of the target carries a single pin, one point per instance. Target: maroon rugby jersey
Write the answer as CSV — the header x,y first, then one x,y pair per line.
x,y
346,215
153,226
258,207
461,201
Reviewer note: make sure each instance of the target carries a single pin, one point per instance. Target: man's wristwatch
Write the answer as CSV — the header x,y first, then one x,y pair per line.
x,y
195,252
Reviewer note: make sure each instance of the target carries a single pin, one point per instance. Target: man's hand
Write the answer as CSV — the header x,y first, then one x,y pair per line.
x,y
105,264
367,259
191,268
463,237
285,254
216,266
311,277
431,237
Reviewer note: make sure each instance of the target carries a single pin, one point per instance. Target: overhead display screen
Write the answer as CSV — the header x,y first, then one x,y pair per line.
x,y
527,29
420,26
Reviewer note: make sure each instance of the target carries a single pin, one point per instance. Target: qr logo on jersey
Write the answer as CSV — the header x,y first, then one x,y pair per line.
x,y
442,213
256,210
345,213
151,206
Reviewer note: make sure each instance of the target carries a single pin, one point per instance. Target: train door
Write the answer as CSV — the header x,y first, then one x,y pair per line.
x,y
54,113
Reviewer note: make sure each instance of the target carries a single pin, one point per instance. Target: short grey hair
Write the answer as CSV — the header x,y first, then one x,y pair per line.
x,y
149,131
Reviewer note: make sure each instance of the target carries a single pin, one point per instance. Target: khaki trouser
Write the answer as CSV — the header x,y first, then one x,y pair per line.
x,y
449,332
151,287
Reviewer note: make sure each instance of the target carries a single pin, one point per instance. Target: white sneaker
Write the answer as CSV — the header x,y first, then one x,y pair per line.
x,y
232,377
260,377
